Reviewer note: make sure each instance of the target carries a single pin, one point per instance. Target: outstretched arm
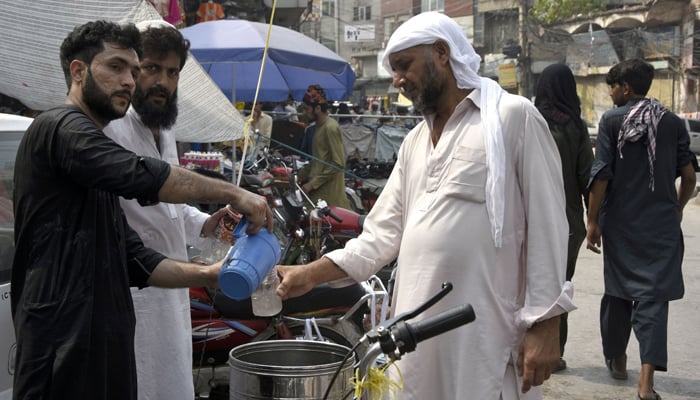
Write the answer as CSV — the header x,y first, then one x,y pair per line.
x,y
184,186
299,279
175,274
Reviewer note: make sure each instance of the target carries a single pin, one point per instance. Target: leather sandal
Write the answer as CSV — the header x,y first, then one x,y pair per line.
x,y
656,396
561,365
618,367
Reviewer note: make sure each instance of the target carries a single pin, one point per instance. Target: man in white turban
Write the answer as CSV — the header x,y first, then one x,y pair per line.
x,y
476,198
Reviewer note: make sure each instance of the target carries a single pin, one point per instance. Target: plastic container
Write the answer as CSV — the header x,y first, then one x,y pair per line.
x,y
265,300
248,262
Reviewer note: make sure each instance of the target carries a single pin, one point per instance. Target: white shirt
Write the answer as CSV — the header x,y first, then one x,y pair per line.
x,y
163,339
432,214
264,124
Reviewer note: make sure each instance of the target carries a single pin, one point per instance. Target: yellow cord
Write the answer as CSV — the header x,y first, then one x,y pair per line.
x,y
247,142
377,384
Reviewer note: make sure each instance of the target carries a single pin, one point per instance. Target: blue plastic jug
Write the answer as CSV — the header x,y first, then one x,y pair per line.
x,y
248,261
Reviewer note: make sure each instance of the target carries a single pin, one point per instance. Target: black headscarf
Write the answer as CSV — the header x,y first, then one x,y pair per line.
x,y
556,98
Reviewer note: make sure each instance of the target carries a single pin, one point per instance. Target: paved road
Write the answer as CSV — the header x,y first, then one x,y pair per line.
x,y
587,377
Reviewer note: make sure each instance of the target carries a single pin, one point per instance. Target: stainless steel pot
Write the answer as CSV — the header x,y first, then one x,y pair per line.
x,y
288,369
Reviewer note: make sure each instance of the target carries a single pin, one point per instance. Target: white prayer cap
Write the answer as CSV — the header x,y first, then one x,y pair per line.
x,y
153,23
427,28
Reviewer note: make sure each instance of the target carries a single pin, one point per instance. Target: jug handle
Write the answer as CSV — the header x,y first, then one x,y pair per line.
x,y
240,228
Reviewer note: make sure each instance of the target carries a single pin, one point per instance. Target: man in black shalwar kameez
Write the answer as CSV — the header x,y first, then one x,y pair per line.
x,y
641,149
76,257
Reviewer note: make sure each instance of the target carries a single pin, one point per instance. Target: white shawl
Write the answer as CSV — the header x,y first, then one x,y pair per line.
x,y
427,28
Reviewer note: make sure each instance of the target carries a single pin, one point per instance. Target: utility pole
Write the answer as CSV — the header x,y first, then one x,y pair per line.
x,y
524,60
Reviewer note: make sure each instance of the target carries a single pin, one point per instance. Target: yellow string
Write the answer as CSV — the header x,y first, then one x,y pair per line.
x,y
377,384
247,142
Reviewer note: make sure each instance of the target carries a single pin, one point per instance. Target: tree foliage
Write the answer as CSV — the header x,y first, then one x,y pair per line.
x,y
548,12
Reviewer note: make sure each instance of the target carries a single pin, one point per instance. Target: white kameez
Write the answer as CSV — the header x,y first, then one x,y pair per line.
x,y
432,214
163,341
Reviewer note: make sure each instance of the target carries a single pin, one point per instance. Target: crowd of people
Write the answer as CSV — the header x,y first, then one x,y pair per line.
x,y
101,229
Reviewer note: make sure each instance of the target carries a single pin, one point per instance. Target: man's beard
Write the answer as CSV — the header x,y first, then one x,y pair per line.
x,y
155,115
426,101
99,102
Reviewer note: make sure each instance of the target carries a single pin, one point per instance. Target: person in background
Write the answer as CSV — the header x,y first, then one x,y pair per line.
x,y
76,256
373,111
557,101
475,198
279,113
324,176
640,150
163,326
285,111
262,125
210,11
344,112
291,110
308,139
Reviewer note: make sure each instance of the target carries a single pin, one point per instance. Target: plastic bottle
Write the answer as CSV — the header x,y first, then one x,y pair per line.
x,y
266,302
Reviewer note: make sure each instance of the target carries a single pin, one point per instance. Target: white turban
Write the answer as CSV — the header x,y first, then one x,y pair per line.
x,y
427,28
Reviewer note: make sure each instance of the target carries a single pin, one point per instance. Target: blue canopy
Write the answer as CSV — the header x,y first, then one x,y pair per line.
x,y
231,51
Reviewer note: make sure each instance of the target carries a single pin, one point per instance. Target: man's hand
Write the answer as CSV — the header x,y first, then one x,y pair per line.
x,y
596,194
539,353
256,210
214,220
294,281
307,188
299,279
593,236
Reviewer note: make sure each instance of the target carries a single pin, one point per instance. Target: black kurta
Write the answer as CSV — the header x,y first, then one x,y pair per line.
x,y
76,258
642,238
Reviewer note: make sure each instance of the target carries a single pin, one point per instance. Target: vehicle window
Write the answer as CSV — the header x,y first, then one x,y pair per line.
x,y
694,125
9,142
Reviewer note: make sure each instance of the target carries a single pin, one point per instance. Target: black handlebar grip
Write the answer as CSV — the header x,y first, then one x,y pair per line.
x,y
441,323
335,217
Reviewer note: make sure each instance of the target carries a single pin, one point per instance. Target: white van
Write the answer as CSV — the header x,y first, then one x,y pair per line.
x,y
693,127
12,128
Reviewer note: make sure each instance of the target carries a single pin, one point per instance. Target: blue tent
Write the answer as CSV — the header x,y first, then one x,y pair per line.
x,y
231,51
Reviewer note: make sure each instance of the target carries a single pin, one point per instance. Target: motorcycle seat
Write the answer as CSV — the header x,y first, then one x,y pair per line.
x,y
319,298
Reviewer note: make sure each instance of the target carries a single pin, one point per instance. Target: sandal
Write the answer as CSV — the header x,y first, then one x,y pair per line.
x,y
656,396
618,367
561,365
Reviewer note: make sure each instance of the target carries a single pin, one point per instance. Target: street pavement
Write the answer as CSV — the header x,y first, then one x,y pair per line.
x,y
587,376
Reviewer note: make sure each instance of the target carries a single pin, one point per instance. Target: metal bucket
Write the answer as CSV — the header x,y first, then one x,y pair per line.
x,y
288,369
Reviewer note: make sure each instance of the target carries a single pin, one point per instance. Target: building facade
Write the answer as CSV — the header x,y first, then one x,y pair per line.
x,y
514,49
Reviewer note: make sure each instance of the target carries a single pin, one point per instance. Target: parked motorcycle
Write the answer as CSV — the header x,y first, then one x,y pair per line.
x,y
313,229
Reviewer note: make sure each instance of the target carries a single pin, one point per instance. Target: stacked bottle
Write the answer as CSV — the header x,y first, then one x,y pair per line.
x,y
213,161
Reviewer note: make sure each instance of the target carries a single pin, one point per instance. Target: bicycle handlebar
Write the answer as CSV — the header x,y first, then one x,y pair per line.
x,y
407,335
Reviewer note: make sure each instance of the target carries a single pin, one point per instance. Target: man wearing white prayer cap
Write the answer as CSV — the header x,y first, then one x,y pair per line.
x,y
476,198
